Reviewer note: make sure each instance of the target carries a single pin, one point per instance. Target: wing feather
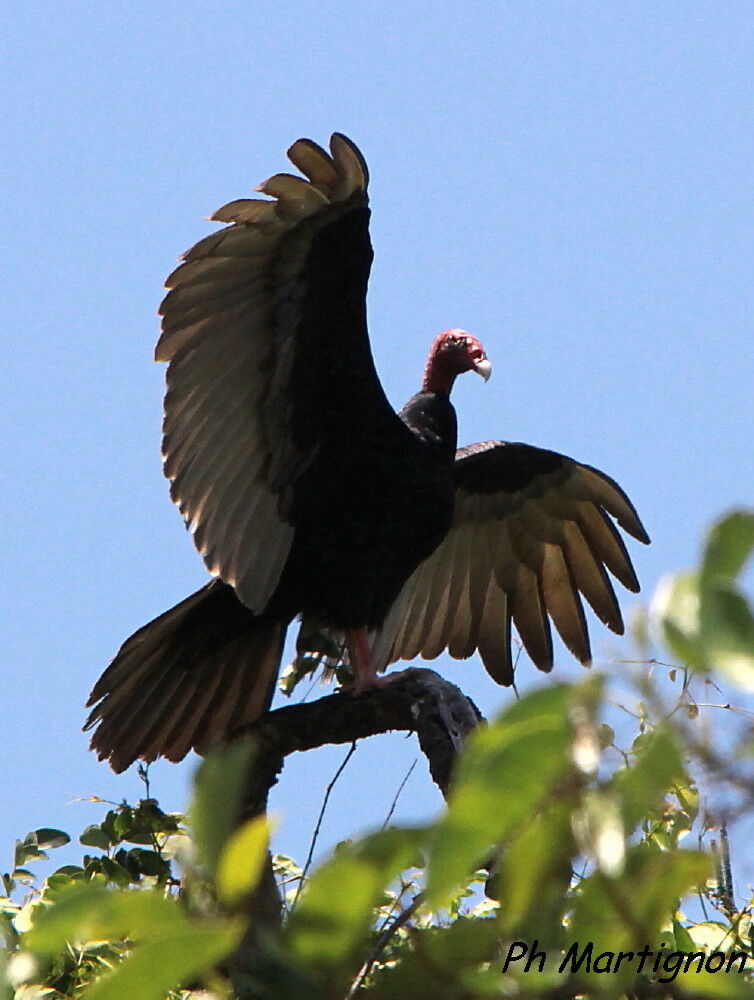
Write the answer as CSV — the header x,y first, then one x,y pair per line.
x,y
244,313
314,163
590,578
563,605
532,534
496,655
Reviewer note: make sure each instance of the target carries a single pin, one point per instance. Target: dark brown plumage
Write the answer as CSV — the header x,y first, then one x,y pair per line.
x,y
307,495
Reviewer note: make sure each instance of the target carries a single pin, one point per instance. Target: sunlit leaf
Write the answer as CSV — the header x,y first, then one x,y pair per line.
x,y
47,838
727,629
506,771
712,935
95,836
534,873
598,826
87,913
704,619
22,875
675,610
165,961
657,766
26,851
729,545
219,785
241,860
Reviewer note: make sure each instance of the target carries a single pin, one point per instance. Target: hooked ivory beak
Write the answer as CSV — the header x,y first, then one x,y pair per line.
x,y
483,368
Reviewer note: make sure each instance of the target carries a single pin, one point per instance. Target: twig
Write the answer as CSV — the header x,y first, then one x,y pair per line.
x,y
308,691
382,941
723,871
315,835
731,708
143,772
650,662
397,794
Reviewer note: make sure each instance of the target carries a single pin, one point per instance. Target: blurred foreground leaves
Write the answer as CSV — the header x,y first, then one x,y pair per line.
x,y
560,838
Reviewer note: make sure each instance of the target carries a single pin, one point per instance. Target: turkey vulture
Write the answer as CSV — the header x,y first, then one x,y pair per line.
x,y
306,494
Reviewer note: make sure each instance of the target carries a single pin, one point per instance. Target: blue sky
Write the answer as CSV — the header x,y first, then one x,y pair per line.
x,y
569,181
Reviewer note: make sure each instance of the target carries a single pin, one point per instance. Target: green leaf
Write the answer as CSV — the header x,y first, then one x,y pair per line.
x,y
704,619
464,943
629,912
115,872
219,786
22,875
149,863
599,829
726,620
147,820
47,838
506,771
682,939
86,913
95,836
436,966
675,607
641,786
61,880
710,986
336,910
729,544
26,851
123,822
108,825
727,632
165,961
241,860
534,874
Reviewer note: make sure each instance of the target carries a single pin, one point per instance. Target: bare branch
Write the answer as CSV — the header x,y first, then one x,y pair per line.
x,y
382,941
414,700
318,827
397,795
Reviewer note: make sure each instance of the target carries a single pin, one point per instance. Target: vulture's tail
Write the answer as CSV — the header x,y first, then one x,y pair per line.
x,y
195,674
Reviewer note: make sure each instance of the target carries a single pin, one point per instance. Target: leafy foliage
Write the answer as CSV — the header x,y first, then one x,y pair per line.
x,y
564,837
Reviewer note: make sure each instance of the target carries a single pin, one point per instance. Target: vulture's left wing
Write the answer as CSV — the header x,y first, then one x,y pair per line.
x,y
264,329
532,531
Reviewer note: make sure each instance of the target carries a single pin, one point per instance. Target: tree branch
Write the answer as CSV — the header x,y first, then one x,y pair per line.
x,y
414,700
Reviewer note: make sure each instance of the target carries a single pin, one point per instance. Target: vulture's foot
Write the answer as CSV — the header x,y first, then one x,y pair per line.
x,y
365,677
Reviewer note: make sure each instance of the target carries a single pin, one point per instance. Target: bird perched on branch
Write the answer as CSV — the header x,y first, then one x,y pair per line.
x,y
306,494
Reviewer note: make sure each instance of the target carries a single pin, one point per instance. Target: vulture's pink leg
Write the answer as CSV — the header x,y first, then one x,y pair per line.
x,y
364,673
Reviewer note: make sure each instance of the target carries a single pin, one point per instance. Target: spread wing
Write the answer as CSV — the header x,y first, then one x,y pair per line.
x,y
532,531
264,329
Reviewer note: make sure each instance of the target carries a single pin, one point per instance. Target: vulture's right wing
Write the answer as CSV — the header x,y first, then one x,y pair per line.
x,y
264,329
532,531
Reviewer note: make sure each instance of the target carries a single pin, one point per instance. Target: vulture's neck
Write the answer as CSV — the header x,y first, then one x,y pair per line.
x,y
430,415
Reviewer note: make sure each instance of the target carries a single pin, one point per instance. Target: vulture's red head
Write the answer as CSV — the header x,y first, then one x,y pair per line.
x,y
452,353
